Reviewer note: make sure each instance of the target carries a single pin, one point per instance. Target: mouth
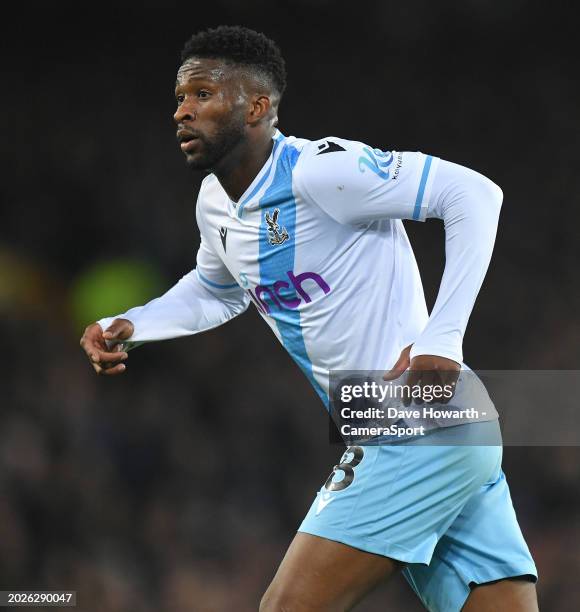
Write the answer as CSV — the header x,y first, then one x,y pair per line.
x,y
187,140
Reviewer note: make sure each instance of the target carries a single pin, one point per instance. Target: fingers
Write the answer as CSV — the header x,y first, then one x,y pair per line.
x,y
421,385
401,366
433,387
449,380
431,379
105,361
412,381
109,371
120,329
93,336
104,357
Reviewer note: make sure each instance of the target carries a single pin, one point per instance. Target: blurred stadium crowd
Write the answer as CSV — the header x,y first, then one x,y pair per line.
x,y
178,486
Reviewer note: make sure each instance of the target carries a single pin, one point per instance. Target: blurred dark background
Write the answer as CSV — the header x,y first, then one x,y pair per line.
x,y
179,485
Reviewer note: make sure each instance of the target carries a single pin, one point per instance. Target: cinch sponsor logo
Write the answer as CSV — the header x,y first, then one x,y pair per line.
x,y
280,295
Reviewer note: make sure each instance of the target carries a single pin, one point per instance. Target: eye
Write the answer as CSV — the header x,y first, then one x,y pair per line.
x,y
203,94
180,98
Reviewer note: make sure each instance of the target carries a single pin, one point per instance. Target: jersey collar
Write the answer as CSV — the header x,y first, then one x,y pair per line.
x,y
250,198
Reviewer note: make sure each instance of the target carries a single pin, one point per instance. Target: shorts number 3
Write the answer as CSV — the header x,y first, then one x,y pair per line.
x,y
346,467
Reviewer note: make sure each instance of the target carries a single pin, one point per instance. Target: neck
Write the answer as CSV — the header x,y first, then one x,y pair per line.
x,y
240,167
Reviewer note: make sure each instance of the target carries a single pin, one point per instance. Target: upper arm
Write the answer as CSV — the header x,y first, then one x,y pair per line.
x,y
355,183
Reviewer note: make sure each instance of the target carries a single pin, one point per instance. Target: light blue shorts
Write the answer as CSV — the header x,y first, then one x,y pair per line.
x,y
443,510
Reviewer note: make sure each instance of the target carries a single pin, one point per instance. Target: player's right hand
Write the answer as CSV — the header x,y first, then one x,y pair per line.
x,y
105,358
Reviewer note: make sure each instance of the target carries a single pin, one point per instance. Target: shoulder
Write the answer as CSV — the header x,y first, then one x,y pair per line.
x,y
209,190
288,150
355,182
333,169
328,150
324,161
209,186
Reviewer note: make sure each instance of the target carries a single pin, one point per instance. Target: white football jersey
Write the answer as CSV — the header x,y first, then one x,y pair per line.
x,y
316,242
331,273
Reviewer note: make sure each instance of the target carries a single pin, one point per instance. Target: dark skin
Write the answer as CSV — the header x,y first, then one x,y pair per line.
x,y
231,117
211,95
225,120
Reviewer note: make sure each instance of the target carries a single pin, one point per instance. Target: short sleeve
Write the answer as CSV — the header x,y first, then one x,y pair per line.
x,y
355,183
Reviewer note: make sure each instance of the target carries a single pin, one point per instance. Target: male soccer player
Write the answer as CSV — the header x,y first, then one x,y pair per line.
x,y
311,233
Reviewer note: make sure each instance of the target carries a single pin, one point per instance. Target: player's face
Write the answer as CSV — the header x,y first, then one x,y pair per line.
x,y
211,111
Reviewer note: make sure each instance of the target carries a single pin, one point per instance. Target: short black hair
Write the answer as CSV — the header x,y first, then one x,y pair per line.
x,y
242,46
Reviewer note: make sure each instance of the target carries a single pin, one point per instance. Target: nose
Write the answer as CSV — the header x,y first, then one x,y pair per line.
x,y
184,113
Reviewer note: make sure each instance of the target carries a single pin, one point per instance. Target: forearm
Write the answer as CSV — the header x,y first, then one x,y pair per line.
x,y
187,308
469,205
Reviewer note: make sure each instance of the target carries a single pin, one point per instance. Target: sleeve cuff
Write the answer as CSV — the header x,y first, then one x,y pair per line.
x,y
106,322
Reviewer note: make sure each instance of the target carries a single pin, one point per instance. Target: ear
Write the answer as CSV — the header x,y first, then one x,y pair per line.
x,y
260,107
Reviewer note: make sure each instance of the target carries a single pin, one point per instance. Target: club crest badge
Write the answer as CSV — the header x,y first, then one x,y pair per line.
x,y
276,235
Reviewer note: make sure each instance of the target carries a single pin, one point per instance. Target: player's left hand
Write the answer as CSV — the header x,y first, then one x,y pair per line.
x,y
424,370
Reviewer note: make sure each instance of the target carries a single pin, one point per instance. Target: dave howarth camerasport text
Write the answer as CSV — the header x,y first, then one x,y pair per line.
x,y
378,414
426,412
